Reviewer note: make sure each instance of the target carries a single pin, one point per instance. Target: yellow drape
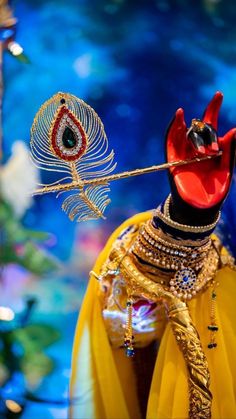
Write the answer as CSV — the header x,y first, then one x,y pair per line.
x,y
103,383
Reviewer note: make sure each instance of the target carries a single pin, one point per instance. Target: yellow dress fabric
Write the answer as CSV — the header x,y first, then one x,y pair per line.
x,y
103,382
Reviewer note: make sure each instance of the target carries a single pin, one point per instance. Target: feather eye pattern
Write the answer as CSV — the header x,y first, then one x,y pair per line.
x,y
68,137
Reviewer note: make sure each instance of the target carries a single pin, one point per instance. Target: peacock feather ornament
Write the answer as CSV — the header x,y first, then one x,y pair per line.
x,y
68,137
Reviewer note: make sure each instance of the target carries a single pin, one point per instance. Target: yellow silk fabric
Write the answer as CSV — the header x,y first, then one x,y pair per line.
x,y
103,382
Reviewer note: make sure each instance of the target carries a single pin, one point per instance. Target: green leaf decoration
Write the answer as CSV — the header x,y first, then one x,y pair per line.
x,y
29,255
35,366
36,337
4,374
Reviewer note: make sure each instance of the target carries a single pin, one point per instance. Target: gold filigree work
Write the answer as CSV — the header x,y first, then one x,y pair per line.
x,y
184,331
184,270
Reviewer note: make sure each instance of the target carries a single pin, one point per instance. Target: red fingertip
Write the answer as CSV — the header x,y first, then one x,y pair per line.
x,y
179,116
219,95
212,111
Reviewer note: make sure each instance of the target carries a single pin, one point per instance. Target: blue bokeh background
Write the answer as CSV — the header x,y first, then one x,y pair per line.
x,y
135,62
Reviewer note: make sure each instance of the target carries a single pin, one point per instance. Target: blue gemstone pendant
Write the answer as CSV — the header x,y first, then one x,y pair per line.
x,y
183,284
129,352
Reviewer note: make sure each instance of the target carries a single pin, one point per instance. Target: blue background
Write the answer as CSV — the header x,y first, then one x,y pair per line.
x,y
135,62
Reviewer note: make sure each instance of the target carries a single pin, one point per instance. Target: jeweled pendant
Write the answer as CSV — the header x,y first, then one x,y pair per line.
x,y
128,338
183,283
67,137
129,352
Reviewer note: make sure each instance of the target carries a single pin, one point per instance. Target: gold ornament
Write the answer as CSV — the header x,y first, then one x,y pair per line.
x,y
184,270
185,333
165,217
68,137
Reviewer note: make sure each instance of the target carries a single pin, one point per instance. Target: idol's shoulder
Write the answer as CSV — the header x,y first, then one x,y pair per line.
x,y
129,227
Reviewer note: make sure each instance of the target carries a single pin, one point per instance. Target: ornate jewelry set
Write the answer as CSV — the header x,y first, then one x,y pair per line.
x,y
185,270
184,266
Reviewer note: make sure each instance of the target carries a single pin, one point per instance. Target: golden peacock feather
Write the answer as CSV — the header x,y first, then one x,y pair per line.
x,y
68,137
